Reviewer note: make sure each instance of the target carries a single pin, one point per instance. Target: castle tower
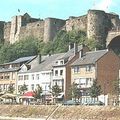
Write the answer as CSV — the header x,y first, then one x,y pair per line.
x,y
51,27
13,29
16,23
97,26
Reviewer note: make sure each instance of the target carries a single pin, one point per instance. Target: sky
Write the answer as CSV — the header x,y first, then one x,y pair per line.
x,y
54,8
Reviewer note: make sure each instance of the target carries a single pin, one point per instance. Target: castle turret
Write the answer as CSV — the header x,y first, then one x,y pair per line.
x,y
97,26
51,27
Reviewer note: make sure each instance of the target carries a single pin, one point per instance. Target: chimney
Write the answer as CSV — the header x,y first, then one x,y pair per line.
x,y
49,54
81,53
75,48
71,45
39,58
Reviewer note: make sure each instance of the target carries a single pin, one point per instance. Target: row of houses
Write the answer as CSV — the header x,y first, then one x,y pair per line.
x,y
78,65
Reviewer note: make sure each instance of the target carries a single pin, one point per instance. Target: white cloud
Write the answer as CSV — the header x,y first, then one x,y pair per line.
x,y
103,5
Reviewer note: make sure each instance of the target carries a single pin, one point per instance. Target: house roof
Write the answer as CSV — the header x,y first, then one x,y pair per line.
x,y
46,64
22,59
70,53
90,57
8,70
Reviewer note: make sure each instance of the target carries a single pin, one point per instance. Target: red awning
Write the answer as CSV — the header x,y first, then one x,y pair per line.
x,y
30,93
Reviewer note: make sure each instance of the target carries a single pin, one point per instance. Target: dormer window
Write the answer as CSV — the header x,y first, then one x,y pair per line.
x,y
61,62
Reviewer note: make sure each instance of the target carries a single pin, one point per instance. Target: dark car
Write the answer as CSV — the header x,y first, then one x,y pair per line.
x,y
70,102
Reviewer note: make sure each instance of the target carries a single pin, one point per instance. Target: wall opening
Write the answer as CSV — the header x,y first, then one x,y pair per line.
x,y
115,45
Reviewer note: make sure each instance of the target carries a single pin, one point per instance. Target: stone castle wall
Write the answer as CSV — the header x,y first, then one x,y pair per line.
x,y
96,23
114,18
77,23
35,29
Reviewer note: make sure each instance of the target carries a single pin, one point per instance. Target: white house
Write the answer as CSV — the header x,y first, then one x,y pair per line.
x,y
62,67
39,75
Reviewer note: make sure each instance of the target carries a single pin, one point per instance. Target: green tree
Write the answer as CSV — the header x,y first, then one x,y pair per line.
x,y
38,92
93,44
76,36
95,90
48,48
11,88
56,90
23,88
63,38
28,47
74,92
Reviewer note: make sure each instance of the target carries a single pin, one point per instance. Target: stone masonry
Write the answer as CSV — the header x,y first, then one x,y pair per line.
x,y
96,24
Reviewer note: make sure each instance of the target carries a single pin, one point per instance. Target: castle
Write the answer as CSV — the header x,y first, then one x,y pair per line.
x,y
95,23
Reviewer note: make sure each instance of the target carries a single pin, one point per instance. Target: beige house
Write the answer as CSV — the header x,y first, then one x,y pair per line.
x,y
101,65
8,71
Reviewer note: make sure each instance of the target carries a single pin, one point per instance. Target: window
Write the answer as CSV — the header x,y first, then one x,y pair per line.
x,y
20,77
77,81
82,81
61,62
37,76
26,77
88,68
47,73
6,77
56,72
76,69
32,87
61,72
89,81
37,85
59,82
33,77
1,77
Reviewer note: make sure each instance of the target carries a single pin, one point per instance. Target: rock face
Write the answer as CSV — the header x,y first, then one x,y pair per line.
x,y
96,24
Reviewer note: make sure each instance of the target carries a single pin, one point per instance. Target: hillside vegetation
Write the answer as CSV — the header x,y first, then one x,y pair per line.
x,y
31,46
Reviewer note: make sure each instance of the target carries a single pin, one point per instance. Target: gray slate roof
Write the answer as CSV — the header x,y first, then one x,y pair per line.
x,y
8,69
70,53
46,64
22,59
90,57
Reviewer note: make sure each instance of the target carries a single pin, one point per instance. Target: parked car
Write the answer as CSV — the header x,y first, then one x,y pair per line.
x,y
70,102
94,103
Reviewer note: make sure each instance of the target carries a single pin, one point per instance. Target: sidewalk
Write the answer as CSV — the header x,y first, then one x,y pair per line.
x,y
20,118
